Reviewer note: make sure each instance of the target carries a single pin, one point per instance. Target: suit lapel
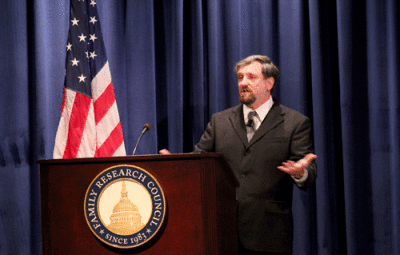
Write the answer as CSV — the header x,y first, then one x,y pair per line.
x,y
273,119
237,120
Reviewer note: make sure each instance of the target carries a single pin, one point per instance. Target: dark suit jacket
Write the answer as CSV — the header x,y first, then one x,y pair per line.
x,y
265,194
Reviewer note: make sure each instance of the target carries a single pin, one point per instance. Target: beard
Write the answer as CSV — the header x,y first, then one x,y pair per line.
x,y
246,96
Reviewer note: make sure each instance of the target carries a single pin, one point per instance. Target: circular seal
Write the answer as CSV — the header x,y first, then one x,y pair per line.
x,y
124,206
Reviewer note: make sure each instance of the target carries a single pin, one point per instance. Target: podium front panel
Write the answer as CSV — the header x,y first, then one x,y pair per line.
x,y
200,205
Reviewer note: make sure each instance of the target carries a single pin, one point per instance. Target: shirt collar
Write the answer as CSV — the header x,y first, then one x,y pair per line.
x,y
262,110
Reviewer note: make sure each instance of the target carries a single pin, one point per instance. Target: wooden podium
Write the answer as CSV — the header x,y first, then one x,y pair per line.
x,y
199,191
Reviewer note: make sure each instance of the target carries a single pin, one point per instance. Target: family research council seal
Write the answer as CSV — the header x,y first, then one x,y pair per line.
x,y
124,206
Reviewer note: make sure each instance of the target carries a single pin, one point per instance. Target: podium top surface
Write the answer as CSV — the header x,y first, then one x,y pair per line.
x,y
142,159
153,157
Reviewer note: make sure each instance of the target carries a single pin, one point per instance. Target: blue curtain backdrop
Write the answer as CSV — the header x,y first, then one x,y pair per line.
x,y
172,67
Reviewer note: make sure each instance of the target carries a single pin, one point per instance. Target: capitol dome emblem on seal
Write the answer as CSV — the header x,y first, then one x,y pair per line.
x,y
124,206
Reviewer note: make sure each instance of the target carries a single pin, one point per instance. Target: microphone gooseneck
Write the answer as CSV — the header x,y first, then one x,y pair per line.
x,y
146,127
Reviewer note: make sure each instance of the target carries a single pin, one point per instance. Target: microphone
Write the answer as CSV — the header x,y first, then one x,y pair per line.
x,y
146,127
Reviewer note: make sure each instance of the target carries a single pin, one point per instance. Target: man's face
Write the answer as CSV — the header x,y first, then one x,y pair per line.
x,y
254,89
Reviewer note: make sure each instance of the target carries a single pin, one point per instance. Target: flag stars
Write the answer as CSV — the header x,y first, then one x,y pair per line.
x,y
93,37
93,20
69,46
93,3
75,62
93,55
82,37
82,78
74,22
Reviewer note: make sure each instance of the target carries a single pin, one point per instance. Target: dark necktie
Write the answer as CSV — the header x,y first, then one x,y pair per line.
x,y
250,125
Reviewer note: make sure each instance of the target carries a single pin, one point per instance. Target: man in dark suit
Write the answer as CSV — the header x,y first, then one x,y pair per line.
x,y
269,147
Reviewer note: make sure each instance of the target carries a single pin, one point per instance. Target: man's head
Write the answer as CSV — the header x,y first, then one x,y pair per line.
x,y
256,79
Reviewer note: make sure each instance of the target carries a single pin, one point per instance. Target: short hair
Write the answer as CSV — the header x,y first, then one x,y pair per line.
x,y
267,67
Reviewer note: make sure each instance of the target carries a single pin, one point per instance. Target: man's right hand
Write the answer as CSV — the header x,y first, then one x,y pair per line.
x,y
164,152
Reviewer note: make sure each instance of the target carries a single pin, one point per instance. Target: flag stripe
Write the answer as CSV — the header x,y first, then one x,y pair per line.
x,y
101,81
110,146
120,151
77,124
87,146
106,125
104,103
63,100
62,132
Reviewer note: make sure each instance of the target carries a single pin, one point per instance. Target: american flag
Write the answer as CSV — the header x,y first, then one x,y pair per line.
x,y
89,124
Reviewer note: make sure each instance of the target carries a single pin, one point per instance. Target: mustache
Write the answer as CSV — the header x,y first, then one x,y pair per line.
x,y
245,88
